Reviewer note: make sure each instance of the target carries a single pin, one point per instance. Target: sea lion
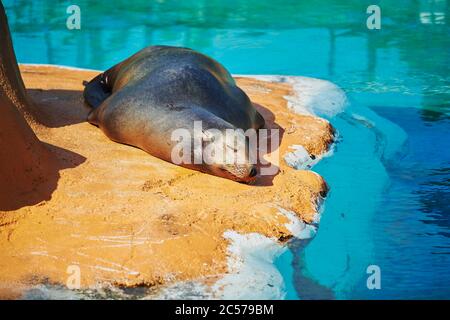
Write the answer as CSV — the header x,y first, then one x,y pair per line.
x,y
142,100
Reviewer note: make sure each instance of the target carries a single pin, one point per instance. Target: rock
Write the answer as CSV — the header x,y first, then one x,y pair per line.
x,y
129,219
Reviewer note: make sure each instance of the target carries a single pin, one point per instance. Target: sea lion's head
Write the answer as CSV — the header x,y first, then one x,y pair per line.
x,y
212,145
229,154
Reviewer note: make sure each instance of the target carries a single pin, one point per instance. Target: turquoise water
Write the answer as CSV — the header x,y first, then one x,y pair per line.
x,y
389,175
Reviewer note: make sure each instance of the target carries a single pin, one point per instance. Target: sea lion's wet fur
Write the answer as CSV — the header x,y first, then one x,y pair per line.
x,y
143,99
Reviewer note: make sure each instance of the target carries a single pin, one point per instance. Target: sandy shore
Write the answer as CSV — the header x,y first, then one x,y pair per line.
x,y
129,219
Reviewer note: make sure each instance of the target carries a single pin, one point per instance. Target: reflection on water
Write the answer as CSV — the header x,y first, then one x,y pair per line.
x,y
418,207
395,135
326,38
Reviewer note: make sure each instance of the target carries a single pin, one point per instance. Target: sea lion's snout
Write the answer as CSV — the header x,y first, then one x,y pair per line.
x,y
231,157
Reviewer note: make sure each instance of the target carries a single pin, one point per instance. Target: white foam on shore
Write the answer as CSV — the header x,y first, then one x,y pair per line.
x,y
251,270
300,159
298,228
252,273
184,290
312,96
47,292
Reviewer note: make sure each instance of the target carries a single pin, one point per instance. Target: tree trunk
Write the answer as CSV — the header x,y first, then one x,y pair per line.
x,y
25,162
11,81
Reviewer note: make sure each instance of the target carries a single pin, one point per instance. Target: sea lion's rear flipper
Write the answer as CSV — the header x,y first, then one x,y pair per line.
x,y
96,91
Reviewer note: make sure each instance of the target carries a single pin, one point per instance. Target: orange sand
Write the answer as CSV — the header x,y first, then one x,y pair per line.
x,y
127,218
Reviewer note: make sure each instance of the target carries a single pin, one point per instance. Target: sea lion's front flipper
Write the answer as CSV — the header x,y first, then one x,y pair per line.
x,y
96,91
